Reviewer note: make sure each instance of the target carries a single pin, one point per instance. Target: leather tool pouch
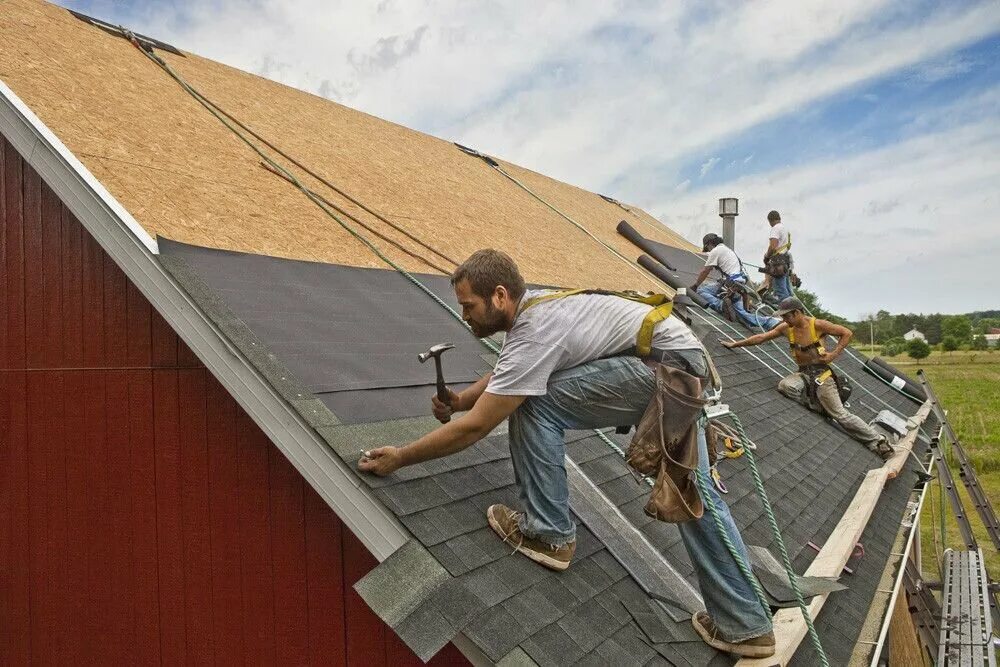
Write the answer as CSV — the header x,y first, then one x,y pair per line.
x,y
666,445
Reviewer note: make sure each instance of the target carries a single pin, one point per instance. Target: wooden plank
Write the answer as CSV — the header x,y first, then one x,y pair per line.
x,y
50,333
164,342
138,336
14,526
223,486
170,551
5,148
195,504
120,645
325,585
115,315
255,545
365,631
100,535
288,549
71,317
33,297
92,270
789,625
74,453
42,603
13,233
142,478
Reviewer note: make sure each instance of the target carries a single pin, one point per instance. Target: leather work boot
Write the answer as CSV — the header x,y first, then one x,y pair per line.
x,y
883,448
757,647
503,520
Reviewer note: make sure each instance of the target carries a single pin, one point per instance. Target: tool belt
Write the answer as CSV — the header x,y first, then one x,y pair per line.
x,y
666,445
817,374
779,264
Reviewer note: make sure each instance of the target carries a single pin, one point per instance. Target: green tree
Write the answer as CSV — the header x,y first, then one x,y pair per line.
x,y
918,349
949,343
894,346
979,343
931,327
958,327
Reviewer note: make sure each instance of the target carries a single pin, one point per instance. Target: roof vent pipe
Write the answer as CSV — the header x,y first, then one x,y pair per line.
x,y
729,208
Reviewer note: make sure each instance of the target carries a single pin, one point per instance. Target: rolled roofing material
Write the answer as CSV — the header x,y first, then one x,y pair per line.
x,y
629,232
895,378
671,279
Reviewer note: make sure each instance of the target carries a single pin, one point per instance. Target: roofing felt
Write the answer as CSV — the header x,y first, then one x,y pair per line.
x,y
183,175
810,468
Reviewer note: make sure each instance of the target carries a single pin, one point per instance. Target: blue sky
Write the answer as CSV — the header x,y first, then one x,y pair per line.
x,y
873,125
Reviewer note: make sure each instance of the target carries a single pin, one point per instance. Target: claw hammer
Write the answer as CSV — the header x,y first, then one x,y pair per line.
x,y
436,351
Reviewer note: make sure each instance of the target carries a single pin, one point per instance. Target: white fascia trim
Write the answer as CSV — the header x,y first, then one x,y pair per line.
x,y
134,250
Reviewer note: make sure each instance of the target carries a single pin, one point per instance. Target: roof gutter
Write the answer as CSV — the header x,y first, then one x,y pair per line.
x,y
135,251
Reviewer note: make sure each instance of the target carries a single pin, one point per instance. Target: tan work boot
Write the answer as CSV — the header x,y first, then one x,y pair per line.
x,y
757,647
503,520
883,448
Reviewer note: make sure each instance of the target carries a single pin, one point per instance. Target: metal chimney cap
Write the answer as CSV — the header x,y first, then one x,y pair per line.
x,y
729,206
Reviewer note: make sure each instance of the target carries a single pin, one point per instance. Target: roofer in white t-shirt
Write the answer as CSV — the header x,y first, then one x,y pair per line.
x,y
778,259
723,268
568,362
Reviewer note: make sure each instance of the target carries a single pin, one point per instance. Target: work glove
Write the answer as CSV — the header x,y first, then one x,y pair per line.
x,y
442,412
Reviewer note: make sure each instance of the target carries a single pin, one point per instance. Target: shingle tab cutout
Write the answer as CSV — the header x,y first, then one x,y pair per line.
x,y
811,471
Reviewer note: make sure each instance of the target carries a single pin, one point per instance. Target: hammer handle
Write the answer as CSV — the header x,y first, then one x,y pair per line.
x,y
442,388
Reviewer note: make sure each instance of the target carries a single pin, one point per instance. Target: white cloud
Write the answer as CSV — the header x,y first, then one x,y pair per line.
x,y
683,186
747,159
708,165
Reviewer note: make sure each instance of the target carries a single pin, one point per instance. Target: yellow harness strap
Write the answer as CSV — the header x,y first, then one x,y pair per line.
x,y
786,247
661,305
790,332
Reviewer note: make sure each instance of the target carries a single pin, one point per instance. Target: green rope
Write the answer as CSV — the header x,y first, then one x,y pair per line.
x,y
786,561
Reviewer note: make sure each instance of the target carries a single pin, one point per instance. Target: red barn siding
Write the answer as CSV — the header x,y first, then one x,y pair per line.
x,y
144,518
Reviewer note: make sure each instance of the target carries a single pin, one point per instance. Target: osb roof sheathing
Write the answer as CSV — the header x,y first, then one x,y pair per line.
x,y
183,175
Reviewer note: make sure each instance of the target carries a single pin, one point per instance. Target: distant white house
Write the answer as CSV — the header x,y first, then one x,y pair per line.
x,y
913,333
992,337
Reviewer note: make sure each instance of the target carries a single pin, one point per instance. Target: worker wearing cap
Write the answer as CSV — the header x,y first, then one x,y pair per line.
x,y
722,265
778,259
814,384
570,360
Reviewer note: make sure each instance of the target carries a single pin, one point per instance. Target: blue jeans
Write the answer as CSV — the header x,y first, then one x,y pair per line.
x,y
781,287
612,392
711,294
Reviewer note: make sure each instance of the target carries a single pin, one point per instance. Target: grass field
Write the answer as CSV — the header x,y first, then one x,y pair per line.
x,y
968,386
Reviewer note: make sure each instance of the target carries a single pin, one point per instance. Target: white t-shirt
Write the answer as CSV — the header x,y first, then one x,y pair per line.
x,y
779,232
725,259
563,333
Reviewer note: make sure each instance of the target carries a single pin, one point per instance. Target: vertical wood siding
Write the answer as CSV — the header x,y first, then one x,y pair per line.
x,y
144,518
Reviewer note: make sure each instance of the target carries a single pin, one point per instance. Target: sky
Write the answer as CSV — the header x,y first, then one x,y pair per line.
x,y
873,126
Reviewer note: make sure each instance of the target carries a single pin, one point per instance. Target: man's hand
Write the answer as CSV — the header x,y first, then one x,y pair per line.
x,y
728,344
382,461
442,411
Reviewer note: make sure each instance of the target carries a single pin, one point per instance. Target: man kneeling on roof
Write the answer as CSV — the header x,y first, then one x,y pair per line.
x,y
723,272
568,362
815,384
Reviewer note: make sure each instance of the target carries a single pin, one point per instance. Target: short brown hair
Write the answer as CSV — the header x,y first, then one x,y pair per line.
x,y
773,215
486,269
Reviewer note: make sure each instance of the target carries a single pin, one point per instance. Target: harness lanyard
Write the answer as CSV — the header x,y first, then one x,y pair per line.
x,y
662,306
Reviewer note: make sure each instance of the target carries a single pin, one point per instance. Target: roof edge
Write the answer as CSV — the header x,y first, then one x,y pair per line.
x,y
135,251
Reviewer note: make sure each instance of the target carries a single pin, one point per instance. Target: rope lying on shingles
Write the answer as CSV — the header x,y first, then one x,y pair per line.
x,y
284,173
488,343
499,169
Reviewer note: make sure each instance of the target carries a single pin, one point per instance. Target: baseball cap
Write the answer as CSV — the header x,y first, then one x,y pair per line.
x,y
714,239
788,305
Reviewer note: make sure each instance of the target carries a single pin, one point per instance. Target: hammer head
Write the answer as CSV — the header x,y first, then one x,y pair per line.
x,y
435,351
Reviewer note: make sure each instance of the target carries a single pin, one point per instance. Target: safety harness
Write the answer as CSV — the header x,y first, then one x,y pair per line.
x,y
661,304
818,373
